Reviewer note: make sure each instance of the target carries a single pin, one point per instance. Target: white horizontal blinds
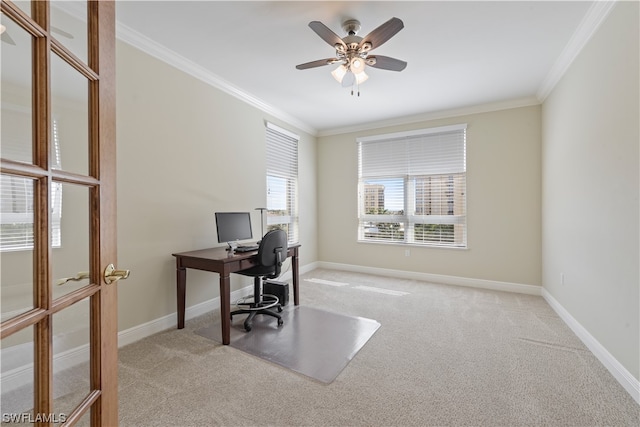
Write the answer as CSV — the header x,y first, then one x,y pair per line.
x,y
429,154
282,180
412,187
16,212
16,201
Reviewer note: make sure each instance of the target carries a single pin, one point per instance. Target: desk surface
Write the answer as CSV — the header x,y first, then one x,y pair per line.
x,y
221,255
223,262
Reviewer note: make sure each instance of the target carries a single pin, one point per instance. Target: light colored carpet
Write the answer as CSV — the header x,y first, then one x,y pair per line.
x,y
443,356
314,342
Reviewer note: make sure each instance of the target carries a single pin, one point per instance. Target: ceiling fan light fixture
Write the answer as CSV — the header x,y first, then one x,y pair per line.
x,y
361,77
349,79
357,65
339,73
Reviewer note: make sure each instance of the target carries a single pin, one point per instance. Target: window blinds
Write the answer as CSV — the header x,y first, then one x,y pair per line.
x,y
412,187
282,180
434,153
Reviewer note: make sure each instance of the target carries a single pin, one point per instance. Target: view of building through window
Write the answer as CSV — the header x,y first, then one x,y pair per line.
x,y
425,202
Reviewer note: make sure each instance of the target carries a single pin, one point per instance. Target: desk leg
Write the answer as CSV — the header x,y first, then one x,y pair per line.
x,y
181,287
294,266
225,308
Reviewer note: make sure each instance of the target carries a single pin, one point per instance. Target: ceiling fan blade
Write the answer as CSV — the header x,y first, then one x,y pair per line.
x,y
386,63
326,34
7,38
318,63
61,32
383,33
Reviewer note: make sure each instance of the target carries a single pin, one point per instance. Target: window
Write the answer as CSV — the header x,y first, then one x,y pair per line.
x,y
412,187
17,198
282,181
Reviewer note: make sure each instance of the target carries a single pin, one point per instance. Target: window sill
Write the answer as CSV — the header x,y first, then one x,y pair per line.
x,y
413,245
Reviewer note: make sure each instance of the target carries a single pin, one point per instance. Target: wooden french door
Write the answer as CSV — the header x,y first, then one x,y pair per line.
x,y
58,213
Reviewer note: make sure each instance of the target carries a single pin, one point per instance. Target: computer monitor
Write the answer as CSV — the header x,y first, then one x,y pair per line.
x,y
233,226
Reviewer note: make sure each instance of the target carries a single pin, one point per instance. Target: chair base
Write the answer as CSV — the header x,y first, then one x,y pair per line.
x,y
260,308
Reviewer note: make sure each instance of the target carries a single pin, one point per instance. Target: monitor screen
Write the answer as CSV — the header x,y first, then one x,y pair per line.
x,y
232,226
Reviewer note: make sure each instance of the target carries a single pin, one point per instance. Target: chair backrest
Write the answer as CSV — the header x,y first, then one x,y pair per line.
x,y
273,249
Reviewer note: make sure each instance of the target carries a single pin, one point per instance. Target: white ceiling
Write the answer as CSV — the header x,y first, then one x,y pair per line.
x,y
460,54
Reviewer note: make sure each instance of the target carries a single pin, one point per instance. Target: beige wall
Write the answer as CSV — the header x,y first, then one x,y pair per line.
x,y
172,130
185,151
590,188
503,202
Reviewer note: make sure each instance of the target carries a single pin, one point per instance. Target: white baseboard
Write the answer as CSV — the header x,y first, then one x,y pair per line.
x,y
437,278
131,335
23,375
144,330
622,375
619,372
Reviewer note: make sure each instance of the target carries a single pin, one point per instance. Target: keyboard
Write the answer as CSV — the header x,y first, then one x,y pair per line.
x,y
246,248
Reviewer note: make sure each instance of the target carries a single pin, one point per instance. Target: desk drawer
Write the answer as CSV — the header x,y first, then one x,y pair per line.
x,y
247,263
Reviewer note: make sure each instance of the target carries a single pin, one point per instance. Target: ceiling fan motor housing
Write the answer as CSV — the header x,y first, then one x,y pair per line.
x,y
352,42
351,26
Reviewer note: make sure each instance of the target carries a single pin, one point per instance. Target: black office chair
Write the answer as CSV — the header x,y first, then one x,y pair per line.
x,y
271,253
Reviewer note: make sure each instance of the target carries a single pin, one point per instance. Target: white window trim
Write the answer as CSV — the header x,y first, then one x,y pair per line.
x,y
292,220
410,220
417,132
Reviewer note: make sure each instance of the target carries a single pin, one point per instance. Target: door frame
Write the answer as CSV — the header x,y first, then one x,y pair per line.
x,y
102,398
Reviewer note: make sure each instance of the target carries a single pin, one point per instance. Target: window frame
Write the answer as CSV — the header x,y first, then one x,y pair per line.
x,y
286,152
452,185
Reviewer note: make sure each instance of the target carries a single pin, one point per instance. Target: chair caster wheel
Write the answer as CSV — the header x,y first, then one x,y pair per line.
x,y
247,328
279,309
280,321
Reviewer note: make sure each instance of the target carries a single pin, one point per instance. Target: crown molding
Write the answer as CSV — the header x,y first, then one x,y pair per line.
x,y
592,20
435,115
150,47
596,14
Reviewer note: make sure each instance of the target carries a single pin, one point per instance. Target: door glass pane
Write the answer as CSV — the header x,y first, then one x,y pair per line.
x,y
16,92
70,115
85,420
71,375
70,221
16,378
69,26
24,5
16,245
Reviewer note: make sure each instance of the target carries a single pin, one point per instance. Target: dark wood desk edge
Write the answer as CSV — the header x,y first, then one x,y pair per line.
x,y
213,265
221,250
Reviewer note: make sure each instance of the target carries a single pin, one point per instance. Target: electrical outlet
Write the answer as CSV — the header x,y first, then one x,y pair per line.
x,y
562,278
407,252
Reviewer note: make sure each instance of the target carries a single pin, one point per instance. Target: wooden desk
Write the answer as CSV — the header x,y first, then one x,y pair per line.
x,y
219,261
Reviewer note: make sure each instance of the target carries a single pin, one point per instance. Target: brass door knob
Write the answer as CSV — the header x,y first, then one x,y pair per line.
x,y
112,275
80,276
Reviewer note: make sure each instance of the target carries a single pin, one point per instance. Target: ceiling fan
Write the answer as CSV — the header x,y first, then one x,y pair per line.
x,y
352,51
